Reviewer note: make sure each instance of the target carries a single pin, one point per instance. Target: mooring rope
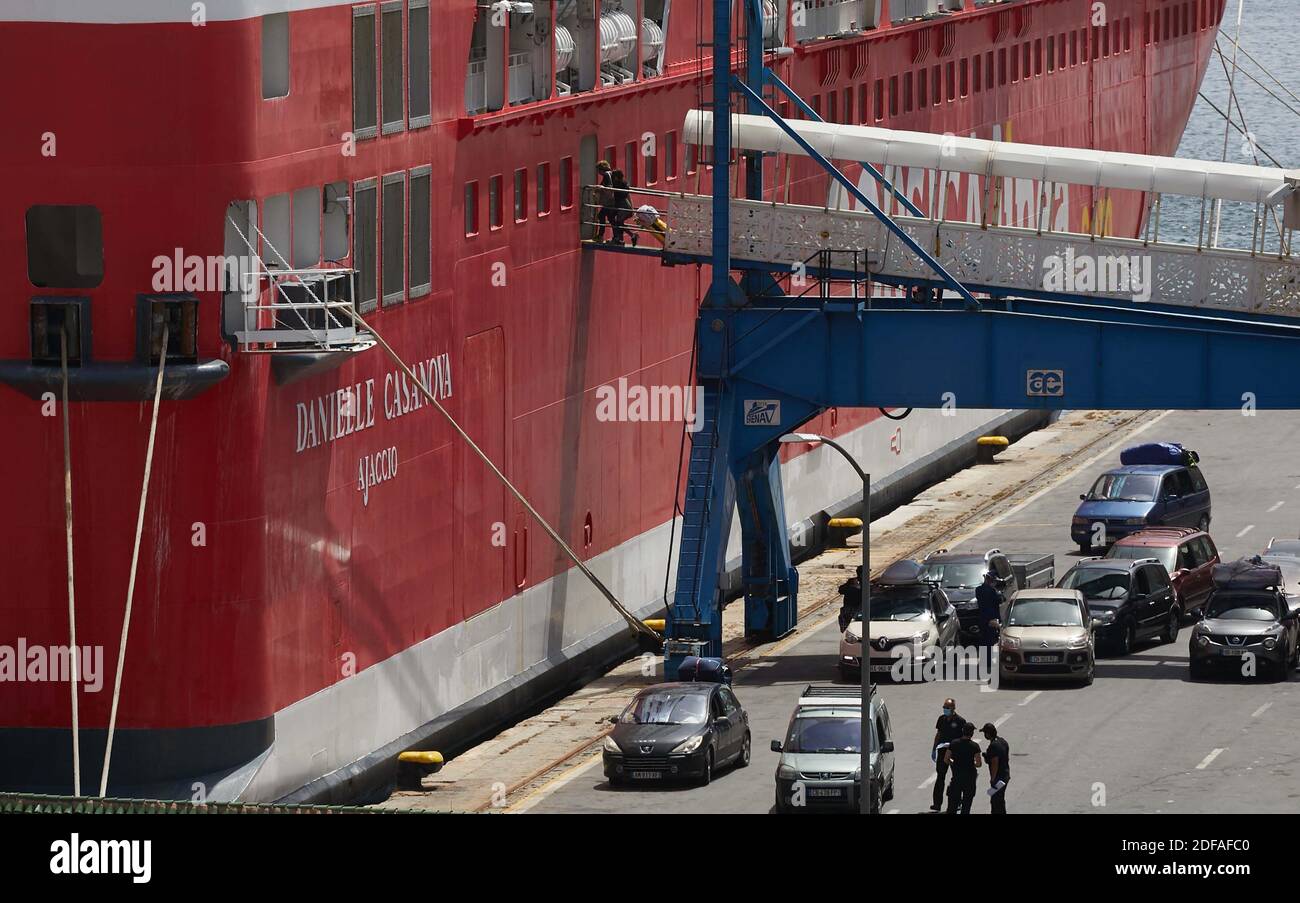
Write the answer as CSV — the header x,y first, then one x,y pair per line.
x,y
550,531
72,595
135,560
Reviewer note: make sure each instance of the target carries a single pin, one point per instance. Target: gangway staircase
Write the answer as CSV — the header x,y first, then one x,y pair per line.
x,y
995,317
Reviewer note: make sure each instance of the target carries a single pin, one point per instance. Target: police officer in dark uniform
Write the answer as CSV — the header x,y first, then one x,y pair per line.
x,y
851,590
998,757
990,599
947,729
964,757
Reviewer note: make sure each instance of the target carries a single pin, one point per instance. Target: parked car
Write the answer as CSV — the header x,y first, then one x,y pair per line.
x,y
677,730
821,758
1279,547
1290,568
959,574
1188,555
906,611
1130,498
1131,600
1247,614
1047,633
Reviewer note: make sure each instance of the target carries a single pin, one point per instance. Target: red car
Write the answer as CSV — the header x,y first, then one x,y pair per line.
x,y
1189,556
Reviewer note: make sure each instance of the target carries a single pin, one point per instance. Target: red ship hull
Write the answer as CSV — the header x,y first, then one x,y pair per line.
x,y
316,591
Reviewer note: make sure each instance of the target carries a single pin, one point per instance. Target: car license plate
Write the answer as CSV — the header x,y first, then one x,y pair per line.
x,y
832,792
1042,659
1232,652
649,775
880,668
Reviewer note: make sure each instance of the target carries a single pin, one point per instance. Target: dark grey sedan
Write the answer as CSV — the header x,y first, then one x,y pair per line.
x,y
677,731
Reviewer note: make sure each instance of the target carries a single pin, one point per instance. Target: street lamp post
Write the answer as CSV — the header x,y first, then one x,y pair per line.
x,y
864,668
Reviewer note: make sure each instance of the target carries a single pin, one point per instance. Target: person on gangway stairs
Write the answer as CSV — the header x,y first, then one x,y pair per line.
x,y
620,210
647,219
603,197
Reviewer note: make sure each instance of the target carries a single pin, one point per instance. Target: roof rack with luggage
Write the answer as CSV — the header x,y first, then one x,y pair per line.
x,y
1248,574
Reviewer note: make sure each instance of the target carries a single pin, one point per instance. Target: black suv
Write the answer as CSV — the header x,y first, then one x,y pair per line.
x,y
1130,600
961,573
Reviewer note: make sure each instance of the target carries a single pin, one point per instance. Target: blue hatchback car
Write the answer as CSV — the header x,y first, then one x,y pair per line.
x,y
1129,498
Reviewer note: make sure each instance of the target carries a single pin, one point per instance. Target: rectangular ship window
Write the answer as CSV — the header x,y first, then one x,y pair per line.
x,y
988,69
880,99
1027,65
1015,65
494,202
670,156
471,208
1051,53
419,230
566,183
394,99
893,95
65,246
1038,56
848,106
543,189
907,92
334,231
1002,66
365,115
306,227
691,158
964,70
418,64
936,86
276,232
275,55
832,106
1105,40
392,239
1128,34
521,195
629,163
922,88
978,73
365,238
951,75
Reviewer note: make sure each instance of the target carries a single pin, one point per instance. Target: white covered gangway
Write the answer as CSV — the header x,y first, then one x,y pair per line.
x,y
987,256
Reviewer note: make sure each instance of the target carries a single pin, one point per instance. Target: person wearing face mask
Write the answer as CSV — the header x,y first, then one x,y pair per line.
x,y
946,730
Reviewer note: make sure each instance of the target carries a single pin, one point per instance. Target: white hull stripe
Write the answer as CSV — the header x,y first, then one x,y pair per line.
x,y
127,12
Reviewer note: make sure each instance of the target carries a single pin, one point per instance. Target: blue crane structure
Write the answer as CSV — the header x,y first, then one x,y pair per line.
x,y
769,361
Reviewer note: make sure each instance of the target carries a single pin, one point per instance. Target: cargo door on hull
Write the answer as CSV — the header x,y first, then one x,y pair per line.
x,y
484,537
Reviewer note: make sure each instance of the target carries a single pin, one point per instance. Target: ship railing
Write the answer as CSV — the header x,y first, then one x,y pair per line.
x,y
1033,260
307,309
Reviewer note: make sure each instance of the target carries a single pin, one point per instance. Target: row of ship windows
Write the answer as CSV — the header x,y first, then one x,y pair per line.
x,y
640,163
973,75
389,40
